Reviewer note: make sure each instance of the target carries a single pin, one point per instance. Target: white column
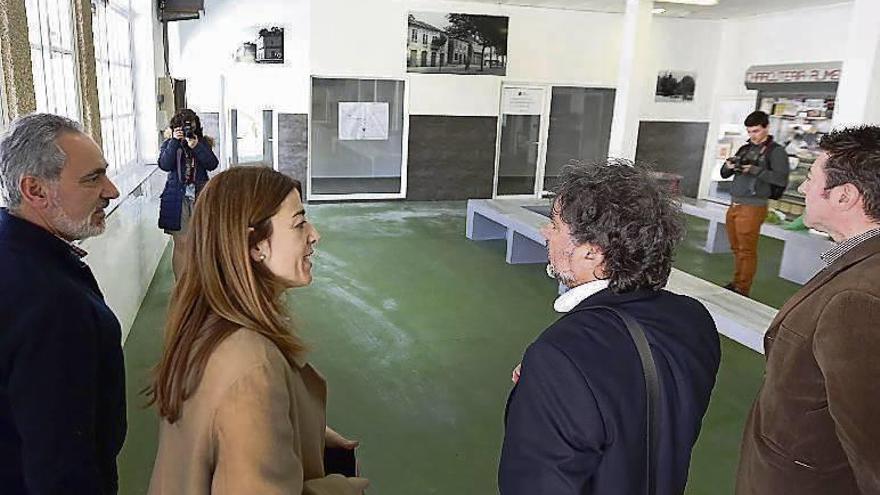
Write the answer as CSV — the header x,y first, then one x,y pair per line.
x,y
858,95
632,78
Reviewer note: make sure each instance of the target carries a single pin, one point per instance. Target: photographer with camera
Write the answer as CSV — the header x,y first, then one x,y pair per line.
x,y
760,173
187,156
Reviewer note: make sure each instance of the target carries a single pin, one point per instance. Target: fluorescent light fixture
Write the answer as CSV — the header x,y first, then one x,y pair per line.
x,y
658,11
692,2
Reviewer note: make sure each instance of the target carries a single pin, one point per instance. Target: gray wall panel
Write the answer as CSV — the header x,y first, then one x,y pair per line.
x,y
211,127
675,147
293,146
450,158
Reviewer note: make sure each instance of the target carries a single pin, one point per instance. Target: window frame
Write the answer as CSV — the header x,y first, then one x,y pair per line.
x,y
4,110
47,54
106,65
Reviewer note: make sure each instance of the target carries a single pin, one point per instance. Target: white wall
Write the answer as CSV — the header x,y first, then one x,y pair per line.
x,y
367,38
545,46
683,45
203,49
858,98
124,258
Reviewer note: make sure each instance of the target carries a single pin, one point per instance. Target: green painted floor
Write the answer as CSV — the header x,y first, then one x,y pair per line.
x,y
417,329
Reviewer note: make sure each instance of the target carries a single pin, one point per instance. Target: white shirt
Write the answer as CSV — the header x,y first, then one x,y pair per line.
x,y
566,302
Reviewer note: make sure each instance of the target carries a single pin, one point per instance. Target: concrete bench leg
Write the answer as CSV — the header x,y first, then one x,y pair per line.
x,y
716,239
480,228
800,261
521,249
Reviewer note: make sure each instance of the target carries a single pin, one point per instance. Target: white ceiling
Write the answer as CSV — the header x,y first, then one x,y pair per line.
x,y
725,9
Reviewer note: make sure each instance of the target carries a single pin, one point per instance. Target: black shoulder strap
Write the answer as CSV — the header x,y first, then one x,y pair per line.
x,y
765,147
742,150
652,391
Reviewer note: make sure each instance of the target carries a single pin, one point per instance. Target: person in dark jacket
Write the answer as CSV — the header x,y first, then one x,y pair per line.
x,y
62,379
576,419
187,157
759,166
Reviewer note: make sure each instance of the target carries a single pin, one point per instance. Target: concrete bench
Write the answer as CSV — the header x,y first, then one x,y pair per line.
x,y
737,317
519,222
511,220
800,252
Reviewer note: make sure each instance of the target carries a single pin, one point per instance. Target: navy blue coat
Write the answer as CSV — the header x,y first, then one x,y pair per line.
x,y
62,379
575,422
171,160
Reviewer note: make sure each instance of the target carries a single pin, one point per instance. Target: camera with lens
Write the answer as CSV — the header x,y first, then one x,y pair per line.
x,y
189,130
739,162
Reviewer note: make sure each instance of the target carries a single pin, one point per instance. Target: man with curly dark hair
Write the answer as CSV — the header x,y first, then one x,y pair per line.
x,y
576,421
814,427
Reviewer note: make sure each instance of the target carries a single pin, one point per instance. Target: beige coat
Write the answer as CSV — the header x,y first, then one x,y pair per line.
x,y
255,425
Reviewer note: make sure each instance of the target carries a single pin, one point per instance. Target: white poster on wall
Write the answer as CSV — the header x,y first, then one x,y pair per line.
x,y
522,101
363,121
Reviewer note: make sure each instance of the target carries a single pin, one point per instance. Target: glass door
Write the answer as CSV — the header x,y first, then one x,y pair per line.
x,y
580,129
252,137
521,140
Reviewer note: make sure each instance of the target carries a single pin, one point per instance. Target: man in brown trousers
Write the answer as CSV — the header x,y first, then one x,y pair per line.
x,y
760,173
815,426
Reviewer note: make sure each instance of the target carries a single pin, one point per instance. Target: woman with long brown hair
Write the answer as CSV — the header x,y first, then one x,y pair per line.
x,y
242,410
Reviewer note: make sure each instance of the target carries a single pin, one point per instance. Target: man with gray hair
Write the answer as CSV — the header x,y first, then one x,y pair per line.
x,y
62,380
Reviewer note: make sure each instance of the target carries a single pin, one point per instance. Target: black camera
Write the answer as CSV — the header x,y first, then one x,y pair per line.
x,y
739,162
189,130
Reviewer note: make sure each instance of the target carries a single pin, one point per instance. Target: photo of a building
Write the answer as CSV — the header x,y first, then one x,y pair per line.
x,y
450,43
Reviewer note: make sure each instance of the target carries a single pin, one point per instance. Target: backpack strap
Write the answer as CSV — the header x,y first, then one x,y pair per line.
x,y
652,391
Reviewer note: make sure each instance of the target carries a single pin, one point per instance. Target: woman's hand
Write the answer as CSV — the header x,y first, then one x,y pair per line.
x,y
192,142
335,440
515,376
359,484
177,133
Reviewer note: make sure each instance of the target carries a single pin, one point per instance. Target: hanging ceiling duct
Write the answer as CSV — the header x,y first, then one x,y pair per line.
x,y
180,10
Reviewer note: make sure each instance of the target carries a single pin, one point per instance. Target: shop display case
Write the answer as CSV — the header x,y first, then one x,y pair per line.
x,y
799,98
798,122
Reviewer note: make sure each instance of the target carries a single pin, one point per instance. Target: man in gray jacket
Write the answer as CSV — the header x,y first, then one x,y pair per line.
x,y
760,173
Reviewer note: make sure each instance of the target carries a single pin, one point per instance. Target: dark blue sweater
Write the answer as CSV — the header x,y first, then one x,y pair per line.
x,y
575,422
62,379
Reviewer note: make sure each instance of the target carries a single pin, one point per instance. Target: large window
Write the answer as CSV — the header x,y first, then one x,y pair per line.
x,y
111,25
50,32
356,139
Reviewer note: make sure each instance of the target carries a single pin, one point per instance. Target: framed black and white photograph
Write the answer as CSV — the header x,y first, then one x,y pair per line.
x,y
267,47
449,43
675,86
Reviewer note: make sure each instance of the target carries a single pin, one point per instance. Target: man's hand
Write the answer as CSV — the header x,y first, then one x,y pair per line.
x,y
335,440
729,165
